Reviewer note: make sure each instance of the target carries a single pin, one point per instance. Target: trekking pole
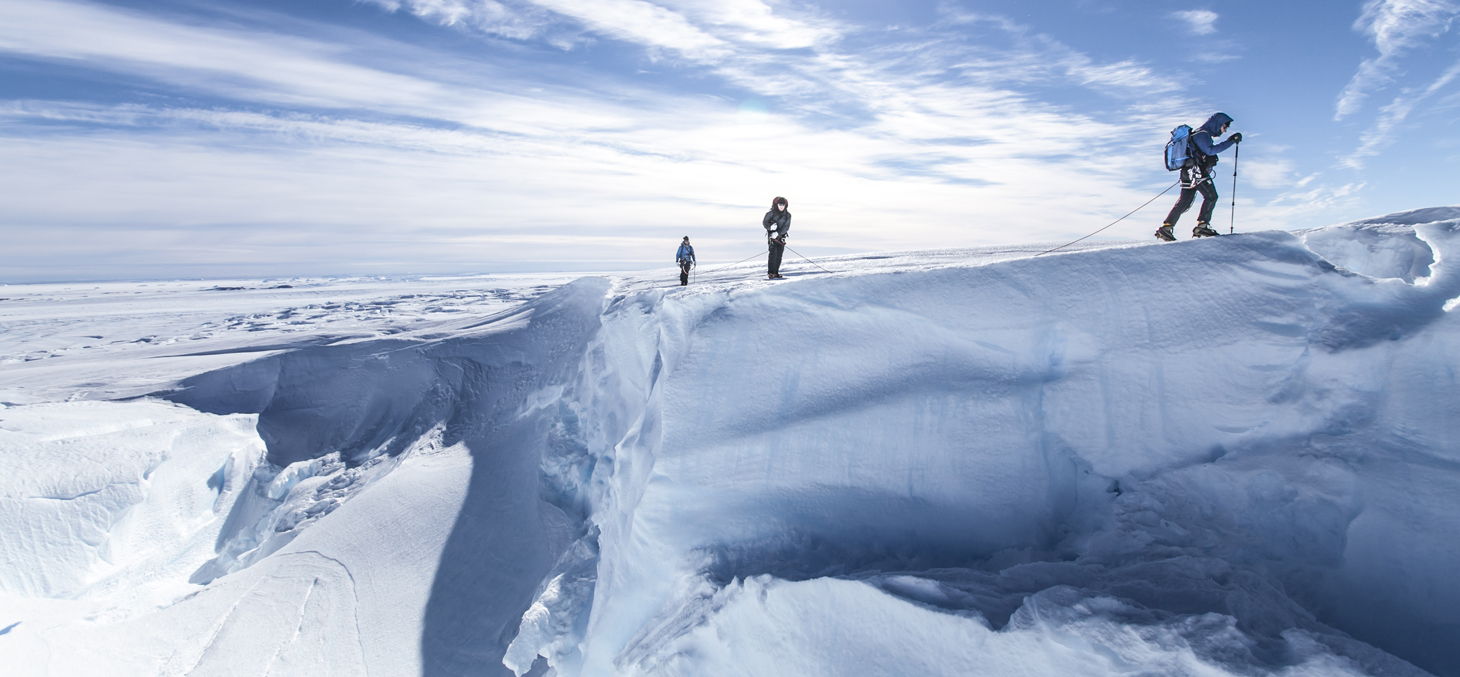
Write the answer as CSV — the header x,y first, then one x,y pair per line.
x,y
1236,156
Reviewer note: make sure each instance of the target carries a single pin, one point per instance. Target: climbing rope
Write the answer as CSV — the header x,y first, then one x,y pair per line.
x,y
733,264
807,260
1168,189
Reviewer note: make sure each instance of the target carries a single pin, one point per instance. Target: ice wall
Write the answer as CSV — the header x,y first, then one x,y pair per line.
x,y
396,524
486,387
1233,429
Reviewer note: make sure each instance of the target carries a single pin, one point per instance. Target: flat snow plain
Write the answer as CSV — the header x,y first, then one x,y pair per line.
x,y
1235,456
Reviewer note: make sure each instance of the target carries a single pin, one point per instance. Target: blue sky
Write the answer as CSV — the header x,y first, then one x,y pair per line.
x,y
196,138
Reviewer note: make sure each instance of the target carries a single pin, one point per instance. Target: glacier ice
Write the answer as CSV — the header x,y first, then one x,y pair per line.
x,y
1230,456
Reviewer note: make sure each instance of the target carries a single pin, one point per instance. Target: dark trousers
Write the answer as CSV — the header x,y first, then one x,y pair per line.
x,y
684,273
1208,202
773,265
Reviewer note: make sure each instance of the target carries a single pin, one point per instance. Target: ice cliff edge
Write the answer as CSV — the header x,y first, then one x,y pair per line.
x,y
1227,456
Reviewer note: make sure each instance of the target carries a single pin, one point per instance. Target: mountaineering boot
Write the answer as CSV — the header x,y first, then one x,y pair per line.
x,y
1203,230
1164,233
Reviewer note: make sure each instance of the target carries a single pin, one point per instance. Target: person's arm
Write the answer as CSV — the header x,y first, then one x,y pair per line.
x,y
1203,142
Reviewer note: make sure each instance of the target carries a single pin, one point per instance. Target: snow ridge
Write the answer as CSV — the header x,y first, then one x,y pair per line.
x,y
1221,457
989,440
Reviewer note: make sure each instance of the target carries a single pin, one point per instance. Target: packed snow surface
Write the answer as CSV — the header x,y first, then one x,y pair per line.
x,y
1233,456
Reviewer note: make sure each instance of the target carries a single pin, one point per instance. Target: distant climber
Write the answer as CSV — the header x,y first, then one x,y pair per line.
x,y
777,224
685,257
1197,158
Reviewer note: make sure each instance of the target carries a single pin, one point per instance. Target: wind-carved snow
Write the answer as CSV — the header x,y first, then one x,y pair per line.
x,y
1228,456
97,497
1215,441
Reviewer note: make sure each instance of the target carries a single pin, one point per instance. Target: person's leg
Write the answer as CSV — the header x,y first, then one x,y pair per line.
x,y
774,267
1208,201
1188,195
1183,203
683,274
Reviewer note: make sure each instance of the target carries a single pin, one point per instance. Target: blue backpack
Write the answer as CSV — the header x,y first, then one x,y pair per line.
x,y
1178,153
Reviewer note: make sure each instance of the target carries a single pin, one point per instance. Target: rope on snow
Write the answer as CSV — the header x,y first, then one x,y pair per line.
x,y
1168,189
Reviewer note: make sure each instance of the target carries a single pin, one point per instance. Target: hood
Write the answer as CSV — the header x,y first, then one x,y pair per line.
x,y
1213,125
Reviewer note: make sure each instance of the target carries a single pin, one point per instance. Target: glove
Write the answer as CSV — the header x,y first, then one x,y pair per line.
x,y
1237,137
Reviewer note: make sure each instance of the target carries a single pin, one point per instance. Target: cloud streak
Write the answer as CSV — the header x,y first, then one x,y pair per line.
x,y
1382,133
1395,27
1199,21
360,142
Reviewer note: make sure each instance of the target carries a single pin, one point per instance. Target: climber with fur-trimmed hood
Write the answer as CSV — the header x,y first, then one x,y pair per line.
x,y
1196,176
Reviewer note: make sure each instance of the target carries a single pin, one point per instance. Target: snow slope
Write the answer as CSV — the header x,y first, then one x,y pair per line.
x,y
1229,456
67,340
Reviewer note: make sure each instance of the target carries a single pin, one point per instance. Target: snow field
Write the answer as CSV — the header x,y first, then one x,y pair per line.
x,y
70,341
102,496
1225,457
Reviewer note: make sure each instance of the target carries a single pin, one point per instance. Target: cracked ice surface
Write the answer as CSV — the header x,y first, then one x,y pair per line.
x,y
1234,456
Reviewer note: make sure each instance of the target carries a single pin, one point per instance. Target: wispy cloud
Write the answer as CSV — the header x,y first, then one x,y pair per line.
x,y
643,23
697,30
1394,114
1308,196
1036,58
1269,173
1395,27
1199,21
311,136
517,22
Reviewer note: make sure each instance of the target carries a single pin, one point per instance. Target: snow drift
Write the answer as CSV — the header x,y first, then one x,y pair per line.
x,y
1229,456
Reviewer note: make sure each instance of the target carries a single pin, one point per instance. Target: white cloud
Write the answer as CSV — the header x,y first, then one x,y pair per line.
x,y
1200,21
1038,58
1269,173
1392,116
756,23
1310,200
932,133
1125,74
488,16
1395,26
643,23
226,62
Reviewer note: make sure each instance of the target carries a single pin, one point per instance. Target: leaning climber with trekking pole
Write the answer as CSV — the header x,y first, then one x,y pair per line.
x,y
1195,154
777,224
